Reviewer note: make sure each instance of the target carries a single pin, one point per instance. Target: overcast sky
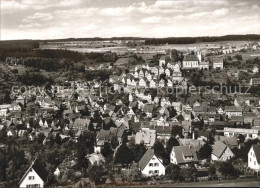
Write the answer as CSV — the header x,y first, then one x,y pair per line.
x,y
52,19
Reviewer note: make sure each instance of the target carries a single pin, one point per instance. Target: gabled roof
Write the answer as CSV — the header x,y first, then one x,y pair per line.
x,y
39,169
256,149
219,148
185,151
190,58
146,158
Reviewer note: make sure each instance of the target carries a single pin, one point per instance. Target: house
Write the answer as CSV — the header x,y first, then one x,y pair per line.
x,y
254,158
231,142
249,117
162,61
151,165
255,70
248,133
177,106
146,136
190,61
20,99
96,158
254,81
204,65
35,176
218,63
221,152
233,111
177,76
183,155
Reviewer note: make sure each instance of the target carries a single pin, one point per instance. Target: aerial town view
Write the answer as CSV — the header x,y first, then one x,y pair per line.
x,y
148,93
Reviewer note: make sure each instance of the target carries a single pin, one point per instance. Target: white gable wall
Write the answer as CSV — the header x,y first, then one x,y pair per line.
x,y
35,180
252,162
227,154
154,167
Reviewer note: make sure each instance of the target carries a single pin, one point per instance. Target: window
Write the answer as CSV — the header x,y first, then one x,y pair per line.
x,y
254,163
250,159
156,171
31,177
150,164
150,172
156,164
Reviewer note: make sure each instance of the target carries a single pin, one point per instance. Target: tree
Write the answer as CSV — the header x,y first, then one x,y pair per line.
x,y
138,150
85,145
159,149
241,138
133,173
212,171
227,169
123,155
205,151
114,142
170,143
106,150
177,130
40,138
173,172
189,174
95,173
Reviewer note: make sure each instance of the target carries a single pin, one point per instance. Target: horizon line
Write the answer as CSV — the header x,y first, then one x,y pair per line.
x,y
127,37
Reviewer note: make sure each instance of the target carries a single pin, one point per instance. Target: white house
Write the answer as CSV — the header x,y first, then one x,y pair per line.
x,y
254,158
162,60
233,111
34,177
204,65
152,84
167,72
221,152
218,63
151,165
255,70
248,133
190,61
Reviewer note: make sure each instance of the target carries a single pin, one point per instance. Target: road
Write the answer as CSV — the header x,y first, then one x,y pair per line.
x,y
234,183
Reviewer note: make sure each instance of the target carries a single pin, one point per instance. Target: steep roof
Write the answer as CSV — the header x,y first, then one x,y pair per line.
x,y
146,158
185,151
38,168
256,149
219,148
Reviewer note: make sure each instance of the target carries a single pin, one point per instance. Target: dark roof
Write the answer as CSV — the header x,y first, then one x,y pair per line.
x,y
219,148
237,118
190,58
146,158
39,169
217,59
185,151
233,109
256,149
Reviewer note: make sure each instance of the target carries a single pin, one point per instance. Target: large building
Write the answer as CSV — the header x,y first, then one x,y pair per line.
x,y
190,62
247,133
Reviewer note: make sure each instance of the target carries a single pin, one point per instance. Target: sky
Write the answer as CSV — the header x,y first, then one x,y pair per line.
x,y
55,19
